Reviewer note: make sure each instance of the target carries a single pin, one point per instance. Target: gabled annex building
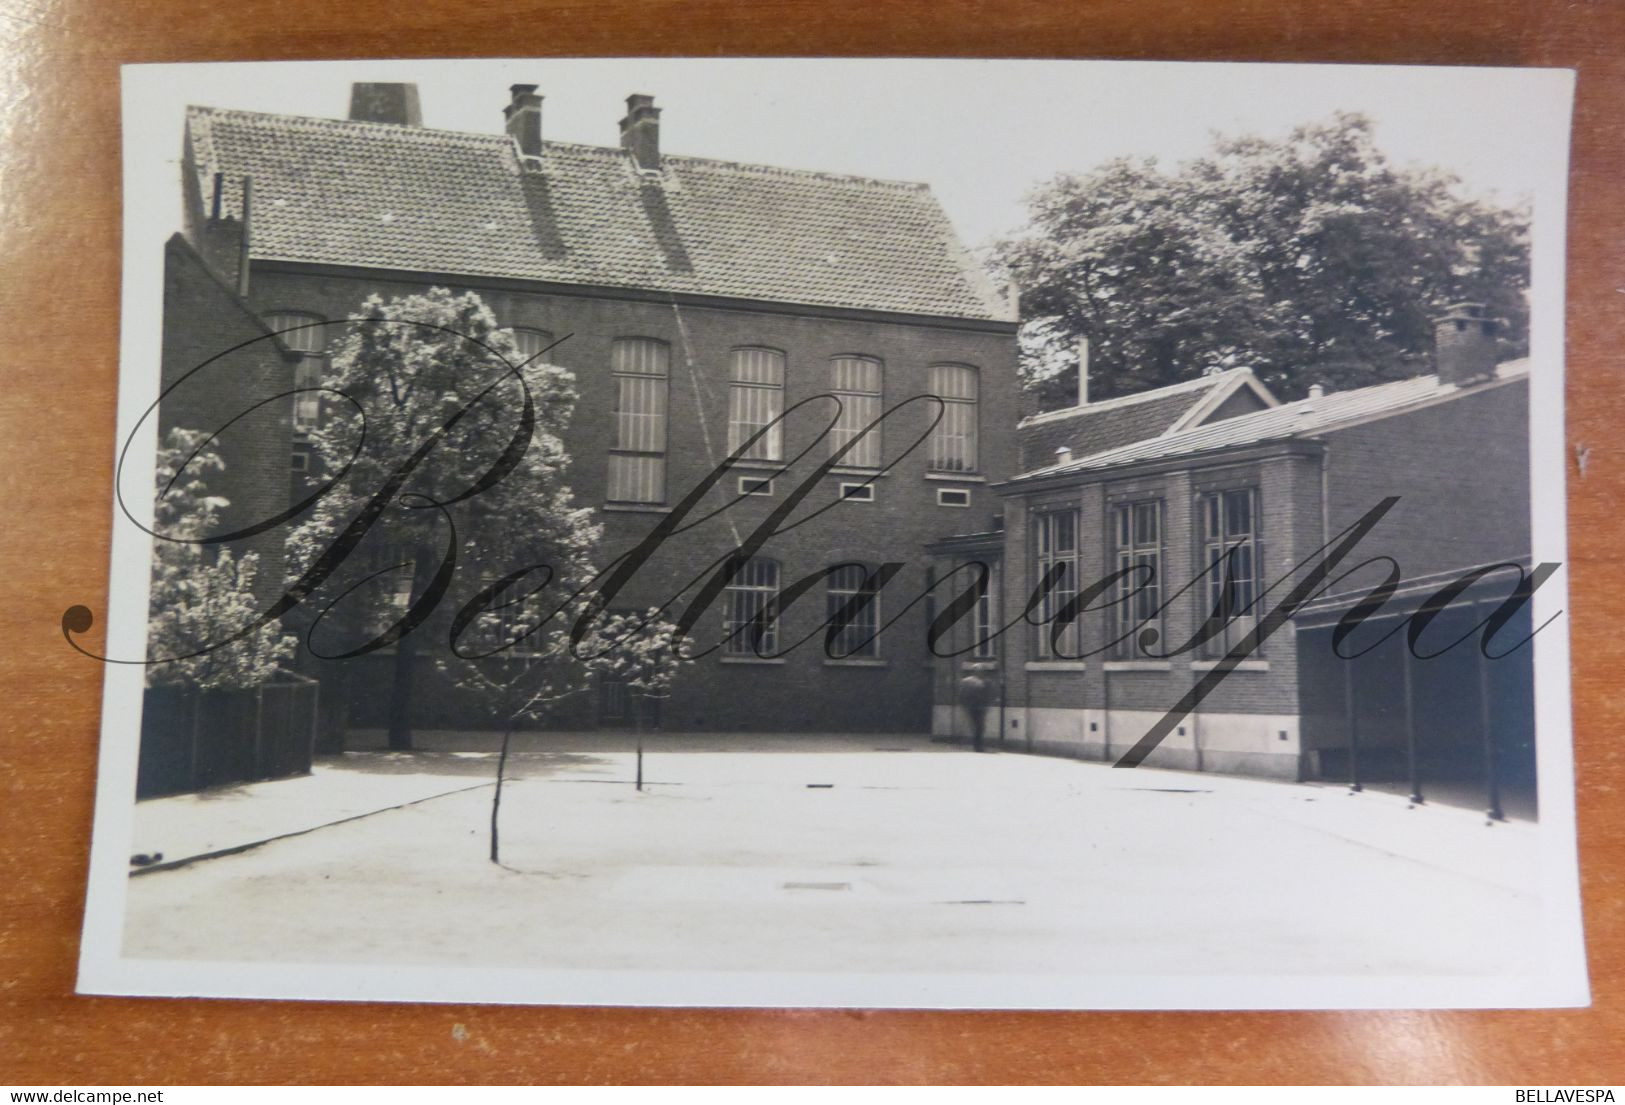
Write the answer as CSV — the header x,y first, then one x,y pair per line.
x,y
1167,488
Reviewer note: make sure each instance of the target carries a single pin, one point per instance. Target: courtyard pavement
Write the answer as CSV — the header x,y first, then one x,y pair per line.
x,y
799,853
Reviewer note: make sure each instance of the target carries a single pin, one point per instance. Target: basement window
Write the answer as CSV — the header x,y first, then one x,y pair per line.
x,y
858,492
950,496
756,485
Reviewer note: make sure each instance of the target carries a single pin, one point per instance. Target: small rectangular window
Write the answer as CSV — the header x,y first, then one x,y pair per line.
x,y
858,492
947,496
755,485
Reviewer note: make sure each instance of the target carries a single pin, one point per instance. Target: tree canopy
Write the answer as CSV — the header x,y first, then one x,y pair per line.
x,y
485,521
199,591
1310,259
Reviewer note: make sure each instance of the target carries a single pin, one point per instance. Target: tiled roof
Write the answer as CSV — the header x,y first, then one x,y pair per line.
x,y
1111,423
378,195
1304,418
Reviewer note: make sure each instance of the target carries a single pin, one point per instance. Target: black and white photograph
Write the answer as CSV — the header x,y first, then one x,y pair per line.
x,y
871,533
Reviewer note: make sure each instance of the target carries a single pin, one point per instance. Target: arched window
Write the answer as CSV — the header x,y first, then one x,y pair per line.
x,y
953,438
857,383
750,609
305,334
756,398
853,606
531,342
637,461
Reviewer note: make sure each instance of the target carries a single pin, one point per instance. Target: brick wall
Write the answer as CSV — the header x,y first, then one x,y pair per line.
x,y
203,319
804,691
1461,470
1288,485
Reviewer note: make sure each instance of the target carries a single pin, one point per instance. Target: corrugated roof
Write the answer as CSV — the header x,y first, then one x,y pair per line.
x,y
378,195
1304,418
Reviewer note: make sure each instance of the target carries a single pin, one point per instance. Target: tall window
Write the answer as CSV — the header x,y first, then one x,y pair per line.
x,y
856,382
750,609
306,335
854,603
984,619
531,343
756,398
953,439
1137,548
1228,525
637,461
1055,545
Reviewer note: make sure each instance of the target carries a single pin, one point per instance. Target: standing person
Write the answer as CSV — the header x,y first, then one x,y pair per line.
x,y
975,692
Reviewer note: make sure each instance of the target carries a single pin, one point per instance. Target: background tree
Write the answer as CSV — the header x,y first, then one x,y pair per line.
x,y
407,369
202,594
1310,259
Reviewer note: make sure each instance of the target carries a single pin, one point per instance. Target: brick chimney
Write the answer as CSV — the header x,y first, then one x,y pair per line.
x,y
1464,344
385,103
640,131
223,240
524,117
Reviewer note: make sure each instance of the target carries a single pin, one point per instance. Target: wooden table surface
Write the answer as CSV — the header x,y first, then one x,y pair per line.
x,y
59,290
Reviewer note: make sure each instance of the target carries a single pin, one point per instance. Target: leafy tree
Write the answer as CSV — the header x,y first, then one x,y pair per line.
x,y
199,592
1310,259
476,542
643,651
639,651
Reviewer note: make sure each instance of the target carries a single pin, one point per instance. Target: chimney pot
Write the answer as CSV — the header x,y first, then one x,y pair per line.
x,y
523,117
1316,390
640,131
1063,455
1464,344
378,102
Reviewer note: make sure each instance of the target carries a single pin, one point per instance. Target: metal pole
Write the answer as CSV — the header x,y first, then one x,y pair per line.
x,y
1350,706
1410,725
1105,713
1492,766
197,709
259,731
315,723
